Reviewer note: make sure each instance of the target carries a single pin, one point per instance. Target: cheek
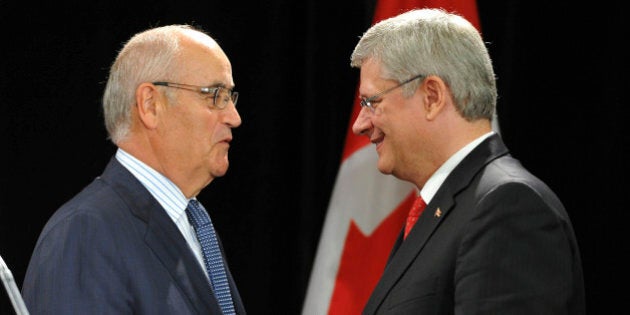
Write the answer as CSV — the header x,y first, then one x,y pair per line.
x,y
213,137
212,132
182,124
202,128
384,124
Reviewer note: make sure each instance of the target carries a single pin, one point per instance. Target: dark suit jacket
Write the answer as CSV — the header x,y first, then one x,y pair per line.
x,y
493,240
112,249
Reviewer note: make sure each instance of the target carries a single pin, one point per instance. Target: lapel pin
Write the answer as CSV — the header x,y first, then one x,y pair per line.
x,y
438,213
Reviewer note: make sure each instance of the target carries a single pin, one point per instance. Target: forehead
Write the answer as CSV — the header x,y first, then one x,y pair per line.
x,y
203,61
371,78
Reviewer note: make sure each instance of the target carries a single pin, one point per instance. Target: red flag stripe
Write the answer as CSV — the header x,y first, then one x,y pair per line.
x,y
363,260
388,8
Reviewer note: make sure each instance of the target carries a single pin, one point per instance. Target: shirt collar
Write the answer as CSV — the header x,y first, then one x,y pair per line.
x,y
437,179
159,186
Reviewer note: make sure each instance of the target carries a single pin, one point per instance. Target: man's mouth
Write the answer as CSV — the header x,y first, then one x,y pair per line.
x,y
377,142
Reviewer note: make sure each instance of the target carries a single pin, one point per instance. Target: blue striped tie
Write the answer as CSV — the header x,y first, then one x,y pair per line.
x,y
198,217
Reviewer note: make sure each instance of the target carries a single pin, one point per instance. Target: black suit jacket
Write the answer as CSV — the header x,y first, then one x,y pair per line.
x,y
493,240
112,249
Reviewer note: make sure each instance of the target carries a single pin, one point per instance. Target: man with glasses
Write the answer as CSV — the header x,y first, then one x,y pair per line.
x,y
136,240
487,236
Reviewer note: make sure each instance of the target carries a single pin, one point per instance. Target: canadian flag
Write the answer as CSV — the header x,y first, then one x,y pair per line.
x,y
367,209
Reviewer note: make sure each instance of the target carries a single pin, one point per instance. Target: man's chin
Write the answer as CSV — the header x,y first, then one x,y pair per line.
x,y
220,167
385,169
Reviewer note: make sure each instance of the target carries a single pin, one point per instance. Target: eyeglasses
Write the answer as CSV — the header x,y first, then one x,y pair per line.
x,y
221,96
367,102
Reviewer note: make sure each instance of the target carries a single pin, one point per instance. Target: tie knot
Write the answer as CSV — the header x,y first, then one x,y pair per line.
x,y
417,207
197,216
414,213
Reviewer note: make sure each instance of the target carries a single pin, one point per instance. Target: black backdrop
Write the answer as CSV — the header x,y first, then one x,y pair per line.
x,y
559,69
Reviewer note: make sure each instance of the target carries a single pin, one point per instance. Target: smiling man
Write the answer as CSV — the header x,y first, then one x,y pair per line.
x,y
485,236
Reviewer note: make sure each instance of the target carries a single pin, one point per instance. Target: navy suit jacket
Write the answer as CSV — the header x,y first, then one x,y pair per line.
x,y
493,240
112,249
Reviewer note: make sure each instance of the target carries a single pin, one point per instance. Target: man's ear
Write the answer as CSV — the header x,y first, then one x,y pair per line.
x,y
147,103
437,95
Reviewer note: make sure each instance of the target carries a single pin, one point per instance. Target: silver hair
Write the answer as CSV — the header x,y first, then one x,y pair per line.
x,y
147,57
434,42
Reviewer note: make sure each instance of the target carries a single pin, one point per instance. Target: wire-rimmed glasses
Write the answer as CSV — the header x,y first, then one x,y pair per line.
x,y
221,96
367,102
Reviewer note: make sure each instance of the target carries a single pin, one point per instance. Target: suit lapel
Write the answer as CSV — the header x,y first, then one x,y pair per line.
x,y
406,251
164,239
437,210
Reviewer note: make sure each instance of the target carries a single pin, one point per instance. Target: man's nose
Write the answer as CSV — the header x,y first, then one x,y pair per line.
x,y
363,123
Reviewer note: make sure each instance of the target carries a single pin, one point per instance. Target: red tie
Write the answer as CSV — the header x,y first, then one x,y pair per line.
x,y
414,213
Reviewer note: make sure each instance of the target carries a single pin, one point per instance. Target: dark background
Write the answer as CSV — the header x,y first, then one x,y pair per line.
x,y
561,69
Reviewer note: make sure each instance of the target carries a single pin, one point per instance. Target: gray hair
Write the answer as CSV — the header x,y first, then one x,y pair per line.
x,y
147,57
434,42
